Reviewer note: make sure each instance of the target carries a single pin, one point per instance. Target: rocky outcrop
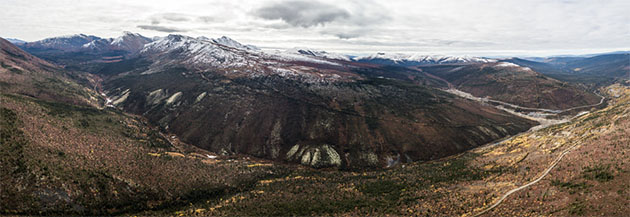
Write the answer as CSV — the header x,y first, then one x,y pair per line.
x,y
317,156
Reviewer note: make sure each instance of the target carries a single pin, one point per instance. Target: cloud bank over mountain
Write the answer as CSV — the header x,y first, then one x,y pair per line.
x,y
479,27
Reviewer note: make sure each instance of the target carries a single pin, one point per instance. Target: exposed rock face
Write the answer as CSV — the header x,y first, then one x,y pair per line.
x,y
174,98
156,96
121,98
200,97
317,156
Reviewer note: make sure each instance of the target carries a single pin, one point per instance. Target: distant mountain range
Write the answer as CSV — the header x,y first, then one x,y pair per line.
x,y
595,71
416,60
133,42
15,41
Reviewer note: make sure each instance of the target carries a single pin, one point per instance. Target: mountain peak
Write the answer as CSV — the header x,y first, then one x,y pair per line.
x,y
66,42
318,53
227,41
132,42
15,41
204,38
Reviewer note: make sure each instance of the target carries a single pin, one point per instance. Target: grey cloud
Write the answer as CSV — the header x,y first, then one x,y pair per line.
x,y
346,35
169,17
302,13
161,28
356,19
277,26
206,19
568,1
175,17
347,32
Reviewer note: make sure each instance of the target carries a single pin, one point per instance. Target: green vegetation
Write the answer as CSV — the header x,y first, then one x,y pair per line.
x,y
600,173
13,142
387,189
577,208
11,69
14,168
571,186
377,192
456,169
62,110
103,167
308,208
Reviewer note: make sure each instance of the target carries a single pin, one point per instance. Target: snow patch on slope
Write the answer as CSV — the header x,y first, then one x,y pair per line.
x,y
507,64
399,58
318,53
225,41
511,65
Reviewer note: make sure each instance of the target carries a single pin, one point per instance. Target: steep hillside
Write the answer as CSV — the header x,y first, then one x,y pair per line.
x,y
588,177
60,159
62,153
298,108
22,73
514,84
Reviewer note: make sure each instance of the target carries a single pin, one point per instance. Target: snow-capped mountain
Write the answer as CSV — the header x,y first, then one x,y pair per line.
x,y
318,53
417,59
15,41
67,43
102,44
129,42
218,52
132,42
200,54
197,52
78,50
226,41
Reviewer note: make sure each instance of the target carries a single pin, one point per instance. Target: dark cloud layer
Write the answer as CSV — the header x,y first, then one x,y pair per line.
x,y
161,28
302,13
175,17
206,19
169,17
532,27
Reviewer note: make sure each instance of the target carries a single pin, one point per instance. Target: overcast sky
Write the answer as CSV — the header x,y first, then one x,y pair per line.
x,y
473,27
